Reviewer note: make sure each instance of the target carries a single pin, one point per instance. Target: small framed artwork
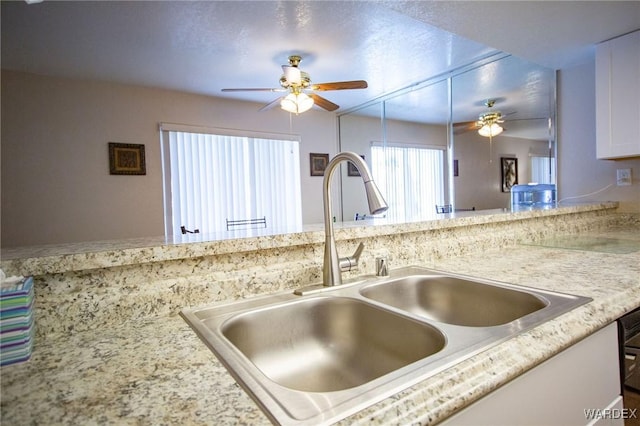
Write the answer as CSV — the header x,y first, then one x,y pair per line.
x,y
318,163
126,159
509,166
352,170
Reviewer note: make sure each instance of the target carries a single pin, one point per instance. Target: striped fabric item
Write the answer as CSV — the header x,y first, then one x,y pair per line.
x,y
16,322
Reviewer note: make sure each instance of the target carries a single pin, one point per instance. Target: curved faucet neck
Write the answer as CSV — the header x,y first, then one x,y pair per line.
x,y
331,271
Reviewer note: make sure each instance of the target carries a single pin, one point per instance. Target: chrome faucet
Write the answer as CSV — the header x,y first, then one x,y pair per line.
x,y
334,265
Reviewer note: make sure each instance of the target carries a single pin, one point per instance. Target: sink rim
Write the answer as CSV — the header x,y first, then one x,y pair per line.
x,y
283,405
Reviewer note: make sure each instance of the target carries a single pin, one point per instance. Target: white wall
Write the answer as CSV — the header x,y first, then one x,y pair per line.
x,y
56,185
579,172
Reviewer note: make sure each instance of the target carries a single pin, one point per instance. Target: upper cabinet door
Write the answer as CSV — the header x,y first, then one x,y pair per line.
x,y
618,97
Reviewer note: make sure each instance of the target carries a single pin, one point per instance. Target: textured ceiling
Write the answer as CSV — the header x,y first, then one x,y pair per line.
x,y
202,47
556,34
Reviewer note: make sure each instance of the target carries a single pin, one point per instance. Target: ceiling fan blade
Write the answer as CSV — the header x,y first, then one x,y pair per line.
x,y
528,119
254,90
271,104
323,103
292,74
341,85
464,123
464,127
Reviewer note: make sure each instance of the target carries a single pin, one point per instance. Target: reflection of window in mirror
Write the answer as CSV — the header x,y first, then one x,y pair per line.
x,y
411,177
542,167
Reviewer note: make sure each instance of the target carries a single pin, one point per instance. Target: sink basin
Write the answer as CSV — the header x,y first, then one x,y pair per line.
x,y
329,344
455,300
322,353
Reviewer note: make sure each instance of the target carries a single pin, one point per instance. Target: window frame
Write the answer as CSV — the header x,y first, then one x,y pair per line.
x,y
164,128
426,209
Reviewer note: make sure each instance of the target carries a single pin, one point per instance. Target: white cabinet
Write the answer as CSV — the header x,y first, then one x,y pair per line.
x,y
618,97
578,386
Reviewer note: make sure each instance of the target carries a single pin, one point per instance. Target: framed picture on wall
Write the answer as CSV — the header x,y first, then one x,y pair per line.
x,y
318,162
352,170
509,167
126,159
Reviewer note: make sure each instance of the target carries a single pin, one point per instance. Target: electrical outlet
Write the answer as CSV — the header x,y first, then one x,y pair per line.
x,y
623,177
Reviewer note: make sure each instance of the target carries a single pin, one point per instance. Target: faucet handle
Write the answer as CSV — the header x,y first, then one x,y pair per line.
x,y
382,267
351,262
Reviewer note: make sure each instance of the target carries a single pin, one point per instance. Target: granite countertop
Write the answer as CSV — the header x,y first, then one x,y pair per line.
x,y
157,371
59,258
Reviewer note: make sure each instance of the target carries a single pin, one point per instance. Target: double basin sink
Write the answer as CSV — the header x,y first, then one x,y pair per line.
x,y
320,354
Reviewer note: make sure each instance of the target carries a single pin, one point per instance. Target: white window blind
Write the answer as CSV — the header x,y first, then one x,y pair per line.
x,y
411,179
211,178
543,169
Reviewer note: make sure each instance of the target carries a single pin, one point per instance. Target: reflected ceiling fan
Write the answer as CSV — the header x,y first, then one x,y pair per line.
x,y
488,123
300,97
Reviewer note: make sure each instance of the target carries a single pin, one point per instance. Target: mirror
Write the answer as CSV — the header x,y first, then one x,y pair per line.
x,y
360,130
524,94
472,176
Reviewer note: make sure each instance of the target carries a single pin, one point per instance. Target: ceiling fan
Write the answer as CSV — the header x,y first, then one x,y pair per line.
x,y
297,83
487,124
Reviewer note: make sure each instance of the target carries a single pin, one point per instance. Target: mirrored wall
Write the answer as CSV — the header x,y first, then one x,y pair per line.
x,y
442,116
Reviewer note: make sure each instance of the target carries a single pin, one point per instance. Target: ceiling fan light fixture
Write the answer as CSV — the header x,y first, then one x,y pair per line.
x,y
295,81
490,130
296,103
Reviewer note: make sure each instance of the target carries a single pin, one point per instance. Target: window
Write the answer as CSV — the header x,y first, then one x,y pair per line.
x,y
543,169
411,179
210,178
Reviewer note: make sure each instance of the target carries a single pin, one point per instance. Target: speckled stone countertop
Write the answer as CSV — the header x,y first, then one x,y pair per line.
x,y
49,259
157,371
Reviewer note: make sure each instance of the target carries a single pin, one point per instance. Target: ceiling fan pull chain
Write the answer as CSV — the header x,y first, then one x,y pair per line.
x,y
490,149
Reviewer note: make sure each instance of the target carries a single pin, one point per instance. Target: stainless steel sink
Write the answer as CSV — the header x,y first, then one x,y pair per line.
x,y
324,353
456,300
329,344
